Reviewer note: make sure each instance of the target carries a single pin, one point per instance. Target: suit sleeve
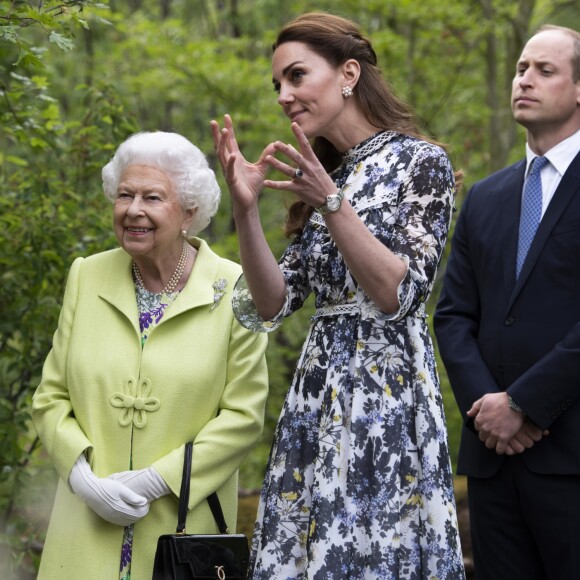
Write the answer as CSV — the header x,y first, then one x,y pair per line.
x,y
52,412
456,321
552,385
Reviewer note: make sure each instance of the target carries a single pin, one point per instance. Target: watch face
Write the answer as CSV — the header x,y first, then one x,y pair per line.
x,y
332,202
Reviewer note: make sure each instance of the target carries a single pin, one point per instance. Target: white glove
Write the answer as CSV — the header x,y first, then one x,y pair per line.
x,y
146,482
110,499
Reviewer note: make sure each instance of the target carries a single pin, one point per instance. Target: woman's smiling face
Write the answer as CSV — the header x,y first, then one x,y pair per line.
x,y
147,215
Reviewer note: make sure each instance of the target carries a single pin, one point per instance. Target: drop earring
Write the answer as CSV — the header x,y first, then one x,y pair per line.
x,y
347,92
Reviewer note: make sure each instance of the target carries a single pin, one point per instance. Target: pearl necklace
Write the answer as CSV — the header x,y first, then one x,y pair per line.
x,y
175,278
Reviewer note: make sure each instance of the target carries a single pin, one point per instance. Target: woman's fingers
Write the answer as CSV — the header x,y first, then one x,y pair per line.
x,y
285,168
302,140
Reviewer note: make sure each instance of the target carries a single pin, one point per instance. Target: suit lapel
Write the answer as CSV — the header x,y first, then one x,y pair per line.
x,y
510,219
568,187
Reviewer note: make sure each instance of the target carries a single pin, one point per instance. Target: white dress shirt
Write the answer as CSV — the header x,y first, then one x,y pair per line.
x,y
560,156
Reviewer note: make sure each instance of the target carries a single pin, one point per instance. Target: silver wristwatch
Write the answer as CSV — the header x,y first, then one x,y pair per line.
x,y
332,203
514,406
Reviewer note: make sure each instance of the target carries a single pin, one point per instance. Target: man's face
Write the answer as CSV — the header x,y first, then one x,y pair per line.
x,y
545,99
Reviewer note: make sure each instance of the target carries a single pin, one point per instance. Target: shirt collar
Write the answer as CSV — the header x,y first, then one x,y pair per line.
x,y
560,156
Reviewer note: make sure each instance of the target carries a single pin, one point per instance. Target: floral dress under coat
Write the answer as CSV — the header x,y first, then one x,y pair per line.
x,y
151,307
359,482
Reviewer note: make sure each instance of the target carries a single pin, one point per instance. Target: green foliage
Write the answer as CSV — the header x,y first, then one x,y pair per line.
x,y
51,211
54,19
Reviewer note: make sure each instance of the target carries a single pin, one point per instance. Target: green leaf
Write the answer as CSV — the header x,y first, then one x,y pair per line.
x,y
17,160
10,33
26,57
61,41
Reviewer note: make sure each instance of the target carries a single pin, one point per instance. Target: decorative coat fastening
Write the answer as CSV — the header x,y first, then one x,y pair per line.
x,y
135,402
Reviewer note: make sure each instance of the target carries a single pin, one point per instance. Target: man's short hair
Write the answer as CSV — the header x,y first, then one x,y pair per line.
x,y
575,36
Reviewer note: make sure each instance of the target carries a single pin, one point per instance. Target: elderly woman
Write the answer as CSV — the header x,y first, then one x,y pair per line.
x,y
146,357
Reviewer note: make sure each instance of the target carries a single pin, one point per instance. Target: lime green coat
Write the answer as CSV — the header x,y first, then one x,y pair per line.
x,y
199,377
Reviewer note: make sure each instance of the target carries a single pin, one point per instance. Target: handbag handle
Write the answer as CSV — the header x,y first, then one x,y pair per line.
x,y
212,500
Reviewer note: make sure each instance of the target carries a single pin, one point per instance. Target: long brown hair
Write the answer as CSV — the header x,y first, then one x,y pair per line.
x,y
337,40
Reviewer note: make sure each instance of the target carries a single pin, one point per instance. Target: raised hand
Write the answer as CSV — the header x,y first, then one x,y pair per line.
x,y
245,180
308,178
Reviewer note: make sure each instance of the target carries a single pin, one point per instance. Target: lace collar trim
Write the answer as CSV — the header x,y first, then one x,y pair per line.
x,y
369,146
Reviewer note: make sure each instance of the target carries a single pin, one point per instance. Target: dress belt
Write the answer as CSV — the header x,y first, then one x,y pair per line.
x,y
337,310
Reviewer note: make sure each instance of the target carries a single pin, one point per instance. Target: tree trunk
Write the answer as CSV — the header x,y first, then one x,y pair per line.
x,y
165,9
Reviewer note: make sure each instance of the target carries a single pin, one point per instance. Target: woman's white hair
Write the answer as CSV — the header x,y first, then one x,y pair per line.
x,y
195,183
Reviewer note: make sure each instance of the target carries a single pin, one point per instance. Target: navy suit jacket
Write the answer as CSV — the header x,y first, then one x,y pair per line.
x,y
496,333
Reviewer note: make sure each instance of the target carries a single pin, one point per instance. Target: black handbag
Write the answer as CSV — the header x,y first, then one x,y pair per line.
x,y
183,556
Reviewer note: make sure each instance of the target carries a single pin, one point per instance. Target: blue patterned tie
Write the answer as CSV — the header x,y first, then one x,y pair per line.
x,y
531,210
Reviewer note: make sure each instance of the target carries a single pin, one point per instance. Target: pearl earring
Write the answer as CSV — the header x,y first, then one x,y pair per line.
x,y
347,92
184,233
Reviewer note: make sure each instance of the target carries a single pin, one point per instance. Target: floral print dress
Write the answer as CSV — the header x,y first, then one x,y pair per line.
x,y
359,482
151,307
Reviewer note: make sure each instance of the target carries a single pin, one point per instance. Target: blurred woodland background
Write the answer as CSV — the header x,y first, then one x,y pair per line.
x,y
78,77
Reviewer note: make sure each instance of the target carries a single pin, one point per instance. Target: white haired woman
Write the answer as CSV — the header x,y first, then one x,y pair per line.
x,y
147,356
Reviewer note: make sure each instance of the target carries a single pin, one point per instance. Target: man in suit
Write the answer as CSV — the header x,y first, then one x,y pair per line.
x,y
508,327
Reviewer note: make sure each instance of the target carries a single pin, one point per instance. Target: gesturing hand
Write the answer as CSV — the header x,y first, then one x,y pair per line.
x,y
110,499
311,183
245,180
